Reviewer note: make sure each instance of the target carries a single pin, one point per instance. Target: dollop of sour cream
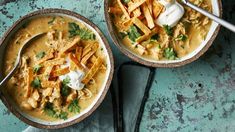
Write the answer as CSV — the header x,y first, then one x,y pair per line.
x,y
74,76
172,14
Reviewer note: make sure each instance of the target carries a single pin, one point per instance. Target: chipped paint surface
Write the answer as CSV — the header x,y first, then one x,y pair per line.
x,y
196,97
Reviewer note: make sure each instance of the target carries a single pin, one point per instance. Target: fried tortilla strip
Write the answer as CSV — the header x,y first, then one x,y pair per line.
x,y
70,46
157,9
78,53
75,61
123,9
87,56
73,66
114,10
93,60
141,25
135,5
60,72
150,6
57,61
146,37
48,56
29,89
92,71
127,23
137,12
87,49
50,84
148,16
47,73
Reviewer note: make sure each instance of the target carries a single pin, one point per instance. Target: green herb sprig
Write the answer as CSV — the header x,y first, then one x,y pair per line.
x,y
74,106
85,34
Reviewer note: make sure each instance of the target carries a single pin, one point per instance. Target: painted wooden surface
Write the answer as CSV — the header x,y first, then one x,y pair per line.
x,y
196,97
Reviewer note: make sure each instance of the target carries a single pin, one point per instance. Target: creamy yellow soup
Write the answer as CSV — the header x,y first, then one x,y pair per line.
x,y
132,19
36,87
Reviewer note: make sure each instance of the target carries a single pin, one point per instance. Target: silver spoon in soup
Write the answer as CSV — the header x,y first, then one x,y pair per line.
x,y
174,12
18,59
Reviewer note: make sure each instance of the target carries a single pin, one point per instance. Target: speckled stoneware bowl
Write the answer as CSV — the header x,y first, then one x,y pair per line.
x,y
217,10
79,117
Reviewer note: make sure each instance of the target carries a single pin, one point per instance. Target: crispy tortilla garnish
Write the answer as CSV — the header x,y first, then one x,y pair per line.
x,y
70,46
146,37
114,10
137,12
60,72
78,53
75,61
29,89
87,56
57,61
93,59
157,9
123,9
149,5
141,25
135,5
87,49
50,84
47,73
148,16
92,71
127,23
48,56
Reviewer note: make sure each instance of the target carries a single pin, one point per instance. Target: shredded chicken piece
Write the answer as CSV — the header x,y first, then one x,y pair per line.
x,y
33,102
71,96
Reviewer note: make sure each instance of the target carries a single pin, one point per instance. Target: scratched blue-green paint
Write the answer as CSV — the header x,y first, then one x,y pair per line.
x,y
196,97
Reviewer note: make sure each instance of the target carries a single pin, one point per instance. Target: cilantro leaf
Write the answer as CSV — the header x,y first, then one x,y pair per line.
x,y
65,90
155,37
181,37
52,20
168,30
40,55
133,33
49,110
170,54
74,107
36,68
36,83
63,115
85,34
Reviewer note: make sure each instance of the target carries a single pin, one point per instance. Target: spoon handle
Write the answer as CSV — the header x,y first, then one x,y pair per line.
x,y
211,16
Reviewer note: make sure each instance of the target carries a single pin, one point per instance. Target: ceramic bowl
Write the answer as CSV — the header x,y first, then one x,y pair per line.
x,y
79,117
214,29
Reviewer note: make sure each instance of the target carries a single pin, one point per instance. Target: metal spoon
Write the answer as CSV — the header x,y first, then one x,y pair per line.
x,y
211,16
18,59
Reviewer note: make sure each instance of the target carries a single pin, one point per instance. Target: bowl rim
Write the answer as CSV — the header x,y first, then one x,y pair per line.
x,y
106,87
145,62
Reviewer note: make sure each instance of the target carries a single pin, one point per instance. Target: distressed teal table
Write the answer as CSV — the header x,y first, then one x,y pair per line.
x,y
196,97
